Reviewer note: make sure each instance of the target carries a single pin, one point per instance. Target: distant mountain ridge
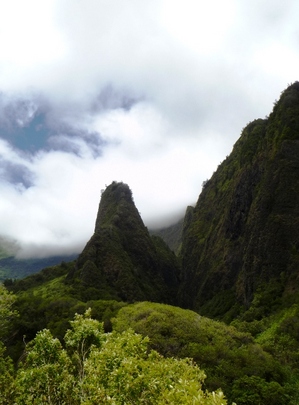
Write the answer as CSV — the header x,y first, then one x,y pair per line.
x,y
12,268
171,234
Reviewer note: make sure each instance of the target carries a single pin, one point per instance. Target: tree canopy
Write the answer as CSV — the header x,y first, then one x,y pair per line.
x,y
93,367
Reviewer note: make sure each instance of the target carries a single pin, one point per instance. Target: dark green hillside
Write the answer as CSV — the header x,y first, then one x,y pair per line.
x,y
230,358
45,300
172,235
122,261
244,234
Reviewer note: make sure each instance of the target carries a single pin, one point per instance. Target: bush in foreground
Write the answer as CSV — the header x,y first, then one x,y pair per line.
x,y
98,368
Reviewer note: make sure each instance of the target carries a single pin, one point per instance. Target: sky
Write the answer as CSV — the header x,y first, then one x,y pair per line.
x,y
150,93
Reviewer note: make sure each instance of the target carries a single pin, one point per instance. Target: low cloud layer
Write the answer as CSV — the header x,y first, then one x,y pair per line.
x,y
153,94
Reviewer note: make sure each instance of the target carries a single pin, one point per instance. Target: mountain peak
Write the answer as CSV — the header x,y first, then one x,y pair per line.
x,y
121,260
116,201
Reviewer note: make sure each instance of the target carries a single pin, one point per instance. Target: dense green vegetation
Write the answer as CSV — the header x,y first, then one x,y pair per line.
x,y
91,367
262,352
244,231
44,300
228,356
250,369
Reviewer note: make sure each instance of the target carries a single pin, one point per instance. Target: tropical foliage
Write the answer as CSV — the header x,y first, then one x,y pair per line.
x,y
97,368
227,355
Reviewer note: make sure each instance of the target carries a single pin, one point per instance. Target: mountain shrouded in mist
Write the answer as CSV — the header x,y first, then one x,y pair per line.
x,y
241,239
237,261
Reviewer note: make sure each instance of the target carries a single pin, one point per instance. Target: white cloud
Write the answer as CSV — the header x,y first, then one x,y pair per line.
x,y
150,93
199,26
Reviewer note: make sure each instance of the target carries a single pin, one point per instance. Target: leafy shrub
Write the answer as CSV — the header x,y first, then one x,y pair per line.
x,y
116,368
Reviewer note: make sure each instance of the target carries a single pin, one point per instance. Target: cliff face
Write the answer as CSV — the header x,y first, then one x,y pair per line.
x,y
243,236
121,260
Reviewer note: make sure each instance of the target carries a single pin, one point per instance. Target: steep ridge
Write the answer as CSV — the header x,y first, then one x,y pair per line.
x,y
121,260
243,234
171,234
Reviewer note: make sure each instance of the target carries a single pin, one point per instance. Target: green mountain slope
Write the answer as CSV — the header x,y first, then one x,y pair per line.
x,y
243,237
230,358
171,234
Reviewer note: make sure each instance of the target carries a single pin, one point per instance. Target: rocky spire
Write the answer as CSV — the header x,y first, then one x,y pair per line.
x,y
121,260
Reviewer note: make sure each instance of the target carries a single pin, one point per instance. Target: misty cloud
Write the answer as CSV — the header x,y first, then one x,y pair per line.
x,y
150,93
15,174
